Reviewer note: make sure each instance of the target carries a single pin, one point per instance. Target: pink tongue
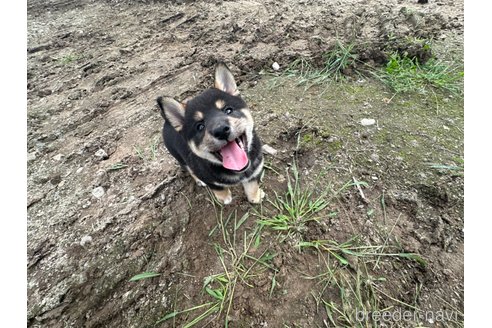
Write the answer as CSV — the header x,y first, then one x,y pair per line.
x,y
233,157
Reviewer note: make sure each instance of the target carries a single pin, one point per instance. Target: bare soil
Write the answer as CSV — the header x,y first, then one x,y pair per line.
x,y
94,71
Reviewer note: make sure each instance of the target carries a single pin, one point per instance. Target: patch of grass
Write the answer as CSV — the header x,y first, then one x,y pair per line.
x,y
67,59
291,212
403,74
295,208
453,170
238,263
150,153
117,166
351,248
347,289
335,64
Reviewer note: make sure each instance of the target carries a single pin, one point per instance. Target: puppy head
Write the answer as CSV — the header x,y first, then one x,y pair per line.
x,y
216,124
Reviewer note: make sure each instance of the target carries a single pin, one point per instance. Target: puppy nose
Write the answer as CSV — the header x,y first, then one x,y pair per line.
x,y
222,132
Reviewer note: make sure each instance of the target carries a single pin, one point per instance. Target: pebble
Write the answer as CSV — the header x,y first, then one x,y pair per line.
x,y
332,139
98,192
101,154
58,157
269,150
85,240
275,66
31,156
368,121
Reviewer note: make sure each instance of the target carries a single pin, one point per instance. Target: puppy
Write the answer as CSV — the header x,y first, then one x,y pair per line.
x,y
213,137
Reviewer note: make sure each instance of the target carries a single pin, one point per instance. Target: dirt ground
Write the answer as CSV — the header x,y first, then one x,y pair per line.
x,y
106,201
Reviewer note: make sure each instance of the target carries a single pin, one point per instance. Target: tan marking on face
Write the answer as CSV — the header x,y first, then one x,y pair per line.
x,y
220,104
198,116
247,113
208,141
203,152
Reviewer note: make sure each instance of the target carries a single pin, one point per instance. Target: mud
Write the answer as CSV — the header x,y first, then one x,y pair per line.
x,y
94,70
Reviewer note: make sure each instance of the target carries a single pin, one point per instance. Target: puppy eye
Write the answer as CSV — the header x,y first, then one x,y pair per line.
x,y
200,126
228,110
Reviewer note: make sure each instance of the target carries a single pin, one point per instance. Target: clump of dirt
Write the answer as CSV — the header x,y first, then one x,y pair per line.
x,y
106,201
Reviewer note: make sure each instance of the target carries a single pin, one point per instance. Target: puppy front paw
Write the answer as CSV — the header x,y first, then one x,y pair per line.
x,y
258,197
224,196
227,200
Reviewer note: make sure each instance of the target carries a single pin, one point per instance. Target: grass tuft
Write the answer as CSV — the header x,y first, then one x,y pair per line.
x,y
295,208
239,266
67,59
335,63
403,74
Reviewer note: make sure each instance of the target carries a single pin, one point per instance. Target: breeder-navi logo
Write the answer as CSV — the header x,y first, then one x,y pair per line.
x,y
399,315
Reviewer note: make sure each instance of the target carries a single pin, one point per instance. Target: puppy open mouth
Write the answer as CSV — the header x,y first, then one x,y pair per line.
x,y
233,154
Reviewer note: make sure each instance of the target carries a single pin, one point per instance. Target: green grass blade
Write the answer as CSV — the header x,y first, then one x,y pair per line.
x,y
144,275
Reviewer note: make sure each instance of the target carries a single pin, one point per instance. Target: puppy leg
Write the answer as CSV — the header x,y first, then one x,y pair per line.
x,y
198,181
253,191
223,195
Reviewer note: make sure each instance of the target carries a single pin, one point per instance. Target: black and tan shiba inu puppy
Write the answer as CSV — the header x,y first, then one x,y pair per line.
x,y
213,137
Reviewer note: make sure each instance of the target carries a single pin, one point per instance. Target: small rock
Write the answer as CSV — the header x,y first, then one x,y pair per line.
x,y
367,121
101,154
275,66
85,240
55,179
58,157
77,94
79,170
101,179
332,139
31,156
125,51
41,179
269,150
98,192
44,93
86,204
375,157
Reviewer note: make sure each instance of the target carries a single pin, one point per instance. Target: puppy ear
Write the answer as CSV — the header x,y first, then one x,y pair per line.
x,y
224,80
172,111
